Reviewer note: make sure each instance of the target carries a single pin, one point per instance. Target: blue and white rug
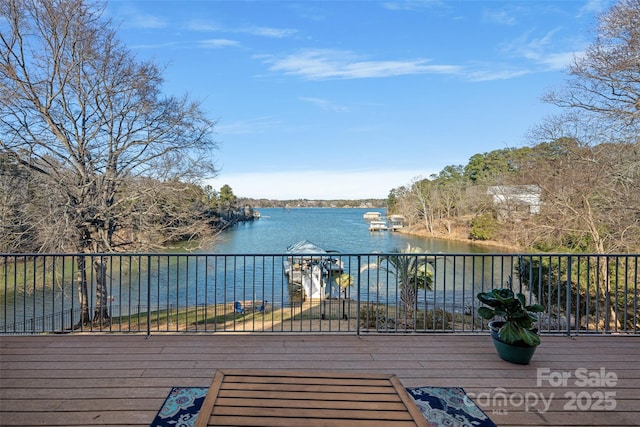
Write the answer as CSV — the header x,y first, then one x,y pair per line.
x,y
441,406
181,407
449,406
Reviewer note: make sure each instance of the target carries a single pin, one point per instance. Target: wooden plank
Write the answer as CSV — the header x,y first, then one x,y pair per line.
x,y
317,378
79,418
359,389
408,401
379,397
210,399
319,401
243,375
311,411
79,405
297,422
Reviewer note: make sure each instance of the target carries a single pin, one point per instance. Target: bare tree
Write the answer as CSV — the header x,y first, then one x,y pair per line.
x,y
402,204
450,185
590,199
77,108
423,202
591,162
605,80
16,223
590,202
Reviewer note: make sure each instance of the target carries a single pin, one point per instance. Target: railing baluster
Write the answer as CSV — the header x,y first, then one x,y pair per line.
x,y
148,297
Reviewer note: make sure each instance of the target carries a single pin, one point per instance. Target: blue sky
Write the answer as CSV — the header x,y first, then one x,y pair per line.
x,y
350,99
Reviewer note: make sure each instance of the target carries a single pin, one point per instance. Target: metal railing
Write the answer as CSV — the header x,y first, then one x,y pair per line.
x,y
343,293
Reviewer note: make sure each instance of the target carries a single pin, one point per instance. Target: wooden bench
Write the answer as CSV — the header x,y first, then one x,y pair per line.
x,y
266,398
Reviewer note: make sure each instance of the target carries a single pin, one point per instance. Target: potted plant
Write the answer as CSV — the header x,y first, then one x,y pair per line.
x,y
514,335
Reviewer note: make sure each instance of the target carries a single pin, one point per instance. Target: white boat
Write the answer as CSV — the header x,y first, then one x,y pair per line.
x,y
378,226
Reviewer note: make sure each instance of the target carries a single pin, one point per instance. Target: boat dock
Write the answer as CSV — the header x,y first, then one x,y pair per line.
x,y
378,226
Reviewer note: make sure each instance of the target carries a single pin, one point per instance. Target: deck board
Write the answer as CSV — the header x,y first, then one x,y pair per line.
x,y
117,379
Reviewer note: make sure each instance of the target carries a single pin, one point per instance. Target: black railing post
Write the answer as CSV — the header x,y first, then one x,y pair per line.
x,y
148,296
568,296
358,299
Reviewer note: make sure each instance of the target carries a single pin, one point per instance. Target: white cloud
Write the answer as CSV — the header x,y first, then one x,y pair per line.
x,y
411,5
594,7
134,18
250,126
495,73
277,33
321,64
318,184
201,25
558,61
540,50
210,26
325,104
325,64
164,45
218,43
500,17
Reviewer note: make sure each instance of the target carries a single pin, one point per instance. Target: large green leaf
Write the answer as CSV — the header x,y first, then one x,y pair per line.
x,y
510,333
530,338
535,308
486,313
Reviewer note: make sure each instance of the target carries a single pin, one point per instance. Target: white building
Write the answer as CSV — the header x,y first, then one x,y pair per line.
x,y
516,201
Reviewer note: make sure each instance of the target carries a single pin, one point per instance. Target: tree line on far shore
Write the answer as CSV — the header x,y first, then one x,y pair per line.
x,y
313,203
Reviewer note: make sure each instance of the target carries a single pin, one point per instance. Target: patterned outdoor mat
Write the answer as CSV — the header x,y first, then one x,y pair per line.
x,y
449,406
181,407
441,406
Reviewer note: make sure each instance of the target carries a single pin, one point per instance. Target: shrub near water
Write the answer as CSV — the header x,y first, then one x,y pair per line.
x,y
483,227
437,319
381,317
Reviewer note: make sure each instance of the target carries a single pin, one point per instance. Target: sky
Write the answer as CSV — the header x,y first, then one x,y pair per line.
x,y
351,99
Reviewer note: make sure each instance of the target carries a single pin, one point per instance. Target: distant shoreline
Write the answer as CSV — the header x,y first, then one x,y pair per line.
x,y
458,236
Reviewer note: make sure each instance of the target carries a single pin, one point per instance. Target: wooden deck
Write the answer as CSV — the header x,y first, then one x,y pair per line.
x,y
71,380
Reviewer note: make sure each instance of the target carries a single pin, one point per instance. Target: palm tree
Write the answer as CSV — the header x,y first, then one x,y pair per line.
x,y
344,281
413,270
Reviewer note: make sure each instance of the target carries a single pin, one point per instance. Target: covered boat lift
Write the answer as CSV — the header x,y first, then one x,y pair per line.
x,y
307,266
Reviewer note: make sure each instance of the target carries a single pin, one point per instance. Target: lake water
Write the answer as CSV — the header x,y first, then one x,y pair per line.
x,y
340,229
346,231
217,275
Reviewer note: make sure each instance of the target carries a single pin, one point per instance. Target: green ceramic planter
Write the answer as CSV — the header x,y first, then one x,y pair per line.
x,y
514,353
